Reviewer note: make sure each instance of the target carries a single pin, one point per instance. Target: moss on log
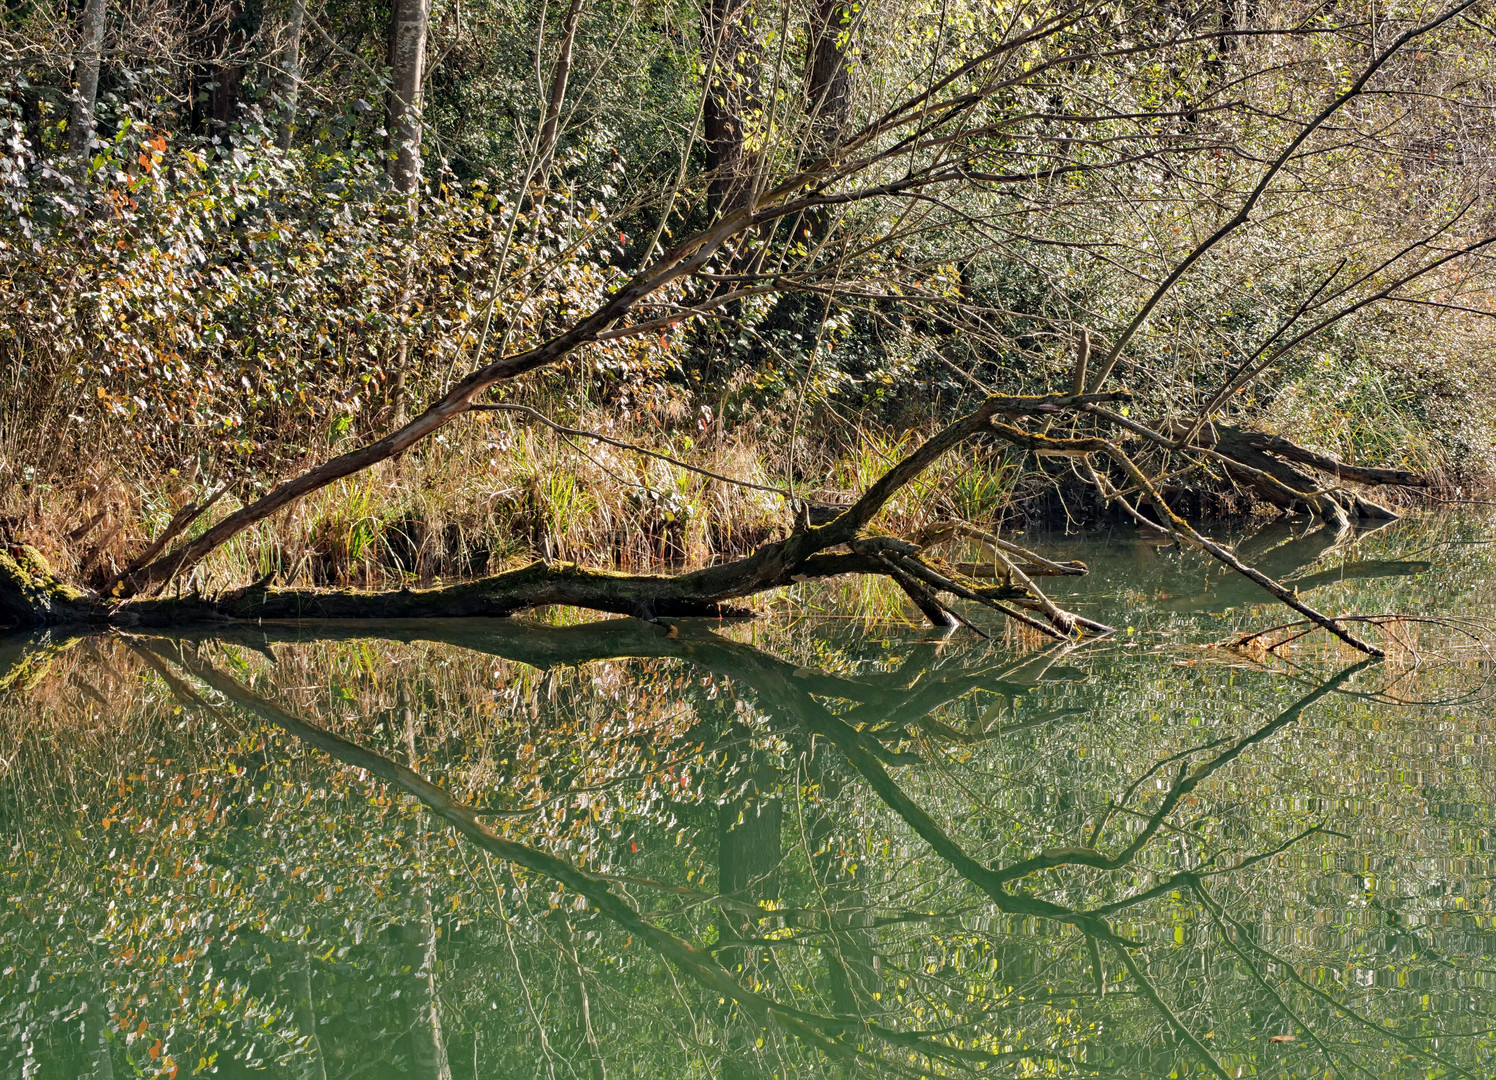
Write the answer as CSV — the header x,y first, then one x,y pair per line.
x,y
31,595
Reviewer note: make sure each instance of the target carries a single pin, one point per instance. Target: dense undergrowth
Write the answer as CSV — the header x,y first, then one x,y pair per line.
x,y
180,322
204,311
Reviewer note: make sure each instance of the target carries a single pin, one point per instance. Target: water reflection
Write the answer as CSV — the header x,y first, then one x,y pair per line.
x,y
616,849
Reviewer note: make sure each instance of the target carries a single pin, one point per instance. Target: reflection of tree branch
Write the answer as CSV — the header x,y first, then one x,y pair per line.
x,y
1180,1028
1187,878
1261,980
1121,804
1219,911
682,954
1184,782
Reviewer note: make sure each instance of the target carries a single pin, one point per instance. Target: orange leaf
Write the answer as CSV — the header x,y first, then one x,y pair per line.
x,y
155,1050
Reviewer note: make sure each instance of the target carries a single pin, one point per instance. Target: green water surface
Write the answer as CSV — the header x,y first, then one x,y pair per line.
x,y
800,847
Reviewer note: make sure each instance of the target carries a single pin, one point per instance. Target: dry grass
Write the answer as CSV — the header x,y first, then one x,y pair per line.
x,y
497,492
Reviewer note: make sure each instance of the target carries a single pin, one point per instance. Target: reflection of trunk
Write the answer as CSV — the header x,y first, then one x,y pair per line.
x,y
86,92
95,1045
748,829
403,102
852,973
288,73
584,1003
428,1048
749,836
550,128
299,978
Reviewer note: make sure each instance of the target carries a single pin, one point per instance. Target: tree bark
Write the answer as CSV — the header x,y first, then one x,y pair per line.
x,y
829,80
86,77
216,80
408,27
288,73
727,101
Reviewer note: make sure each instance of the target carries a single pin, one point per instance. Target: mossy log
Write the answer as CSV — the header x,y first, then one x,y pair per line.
x,y
31,595
35,598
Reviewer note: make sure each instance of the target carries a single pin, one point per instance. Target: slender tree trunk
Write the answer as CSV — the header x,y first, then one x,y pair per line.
x,y
828,103
829,80
408,26
216,80
288,73
86,74
550,127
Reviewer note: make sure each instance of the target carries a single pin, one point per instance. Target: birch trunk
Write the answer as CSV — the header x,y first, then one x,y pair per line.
x,y
408,27
86,92
288,74
550,128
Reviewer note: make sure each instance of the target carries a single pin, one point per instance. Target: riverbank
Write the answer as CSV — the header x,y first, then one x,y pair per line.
x,y
504,490
500,491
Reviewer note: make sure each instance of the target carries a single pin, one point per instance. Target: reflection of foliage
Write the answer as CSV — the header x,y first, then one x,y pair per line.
x,y
1325,880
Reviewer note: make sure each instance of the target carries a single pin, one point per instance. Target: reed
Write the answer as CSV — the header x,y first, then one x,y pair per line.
x,y
499,492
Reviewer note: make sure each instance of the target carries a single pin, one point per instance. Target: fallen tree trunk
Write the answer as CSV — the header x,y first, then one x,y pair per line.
x,y
703,593
1254,456
33,597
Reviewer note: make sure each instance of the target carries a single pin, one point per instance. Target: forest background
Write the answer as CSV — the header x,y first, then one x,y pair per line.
x,y
240,238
